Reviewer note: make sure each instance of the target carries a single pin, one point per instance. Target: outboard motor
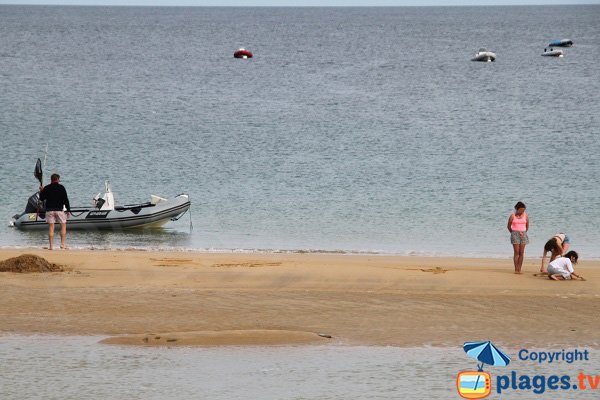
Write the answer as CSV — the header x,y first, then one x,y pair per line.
x,y
34,204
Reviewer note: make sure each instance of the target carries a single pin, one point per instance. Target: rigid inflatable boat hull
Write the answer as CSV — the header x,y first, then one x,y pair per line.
x,y
145,215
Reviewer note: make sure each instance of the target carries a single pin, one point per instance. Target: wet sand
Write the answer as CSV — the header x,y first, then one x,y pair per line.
x,y
194,298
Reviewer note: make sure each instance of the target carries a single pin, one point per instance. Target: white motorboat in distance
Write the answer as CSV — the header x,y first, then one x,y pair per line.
x,y
484,55
105,215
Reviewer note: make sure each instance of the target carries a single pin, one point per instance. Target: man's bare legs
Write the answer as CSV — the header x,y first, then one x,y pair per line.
x,y
50,235
63,235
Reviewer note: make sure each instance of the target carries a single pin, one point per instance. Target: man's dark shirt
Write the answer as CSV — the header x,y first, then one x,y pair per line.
x,y
56,197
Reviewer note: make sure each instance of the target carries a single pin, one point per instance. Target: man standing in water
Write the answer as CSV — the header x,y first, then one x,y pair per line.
x,y
57,200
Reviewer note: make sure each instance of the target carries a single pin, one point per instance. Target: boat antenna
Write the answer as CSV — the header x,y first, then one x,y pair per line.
x,y
45,155
45,163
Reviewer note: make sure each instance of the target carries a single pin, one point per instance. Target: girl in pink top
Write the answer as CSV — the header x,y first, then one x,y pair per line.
x,y
518,225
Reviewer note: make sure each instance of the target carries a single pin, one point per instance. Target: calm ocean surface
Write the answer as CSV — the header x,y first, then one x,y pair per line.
x,y
78,367
352,129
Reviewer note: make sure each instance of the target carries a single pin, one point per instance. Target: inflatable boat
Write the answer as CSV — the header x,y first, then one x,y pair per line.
x,y
561,43
484,55
553,53
104,215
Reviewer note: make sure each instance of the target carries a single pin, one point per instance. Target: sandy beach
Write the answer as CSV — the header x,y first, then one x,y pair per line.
x,y
194,298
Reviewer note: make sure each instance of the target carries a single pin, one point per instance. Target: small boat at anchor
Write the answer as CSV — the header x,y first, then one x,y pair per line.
x,y
484,56
105,215
561,43
553,53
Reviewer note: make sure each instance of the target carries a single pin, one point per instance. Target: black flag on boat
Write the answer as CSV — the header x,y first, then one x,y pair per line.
x,y
37,172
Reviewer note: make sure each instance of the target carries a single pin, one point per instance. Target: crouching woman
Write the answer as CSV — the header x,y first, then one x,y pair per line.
x,y
562,267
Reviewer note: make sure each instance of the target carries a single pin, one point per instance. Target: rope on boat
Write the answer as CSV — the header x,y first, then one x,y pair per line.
x,y
191,227
179,216
183,213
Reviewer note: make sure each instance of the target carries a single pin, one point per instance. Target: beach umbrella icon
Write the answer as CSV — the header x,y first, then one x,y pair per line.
x,y
487,353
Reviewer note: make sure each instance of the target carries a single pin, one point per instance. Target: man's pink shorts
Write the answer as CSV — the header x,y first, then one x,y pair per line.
x,y
54,217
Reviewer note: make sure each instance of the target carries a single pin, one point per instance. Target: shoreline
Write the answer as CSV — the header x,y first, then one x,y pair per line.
x,y
250,251
251,298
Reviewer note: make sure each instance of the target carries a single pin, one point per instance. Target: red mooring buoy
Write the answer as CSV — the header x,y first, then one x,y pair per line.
x,y
242,53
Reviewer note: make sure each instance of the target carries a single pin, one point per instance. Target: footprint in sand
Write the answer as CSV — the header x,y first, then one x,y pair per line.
x,y
247,265
170,262
436,270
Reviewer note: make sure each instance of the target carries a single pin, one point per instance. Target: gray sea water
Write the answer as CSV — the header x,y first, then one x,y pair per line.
x,y
351,129
78,367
